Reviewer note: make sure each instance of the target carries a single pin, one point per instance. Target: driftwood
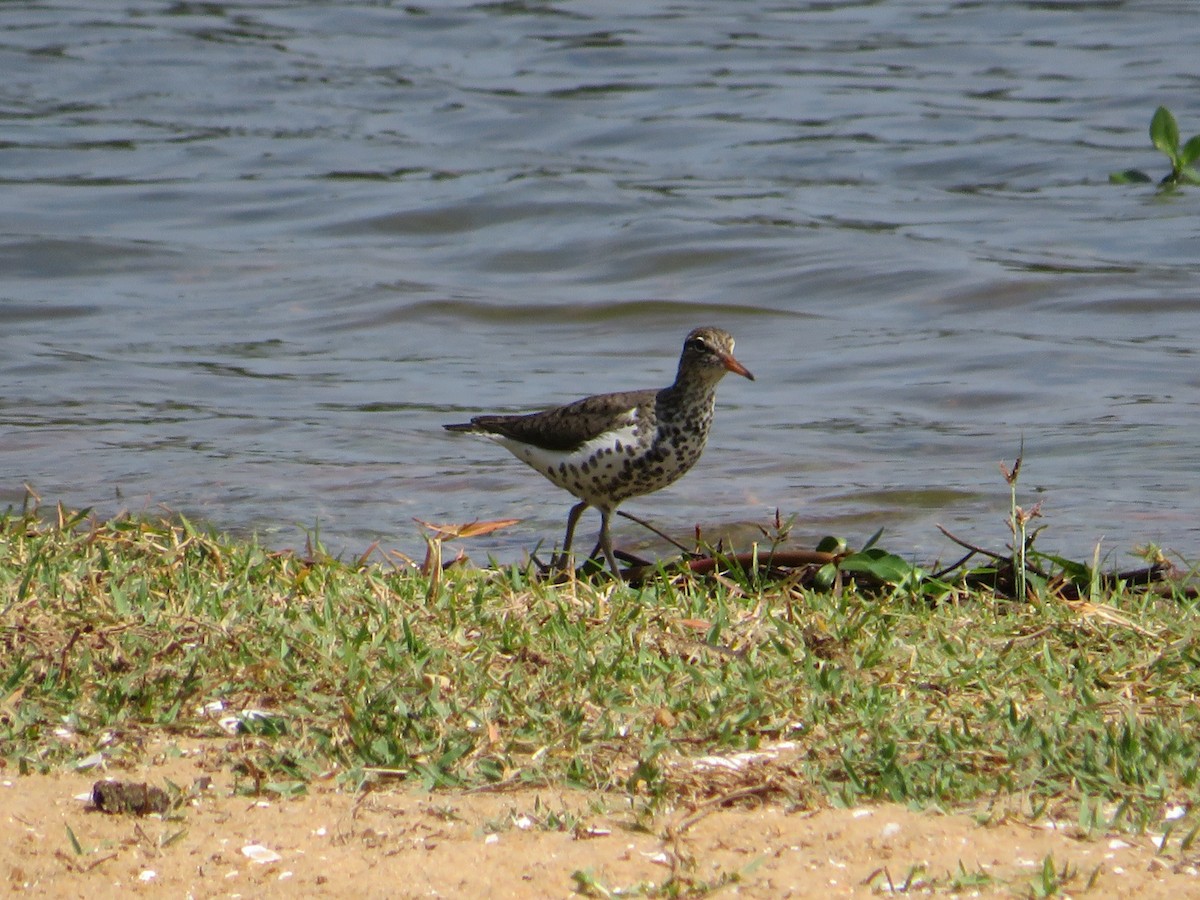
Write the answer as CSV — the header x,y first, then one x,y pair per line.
x,y
1000,576
779,562
808,568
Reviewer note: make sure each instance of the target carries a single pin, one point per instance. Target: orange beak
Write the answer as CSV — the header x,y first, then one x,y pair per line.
x,y
736,367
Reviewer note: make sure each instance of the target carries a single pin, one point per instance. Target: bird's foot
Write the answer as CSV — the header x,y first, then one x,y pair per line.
x,y
562,566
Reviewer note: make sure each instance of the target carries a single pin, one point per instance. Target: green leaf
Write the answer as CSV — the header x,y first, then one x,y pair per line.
x,y
825,576
831,544
1189,176
1164,133
1129,176
1076,571
873,539
1190,152
256,722
887,567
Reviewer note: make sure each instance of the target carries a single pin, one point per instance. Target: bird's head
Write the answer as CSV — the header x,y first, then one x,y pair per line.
x,y
711,350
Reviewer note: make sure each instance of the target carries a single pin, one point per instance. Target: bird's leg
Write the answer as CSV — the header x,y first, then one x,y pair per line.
x,y
606,542
572,520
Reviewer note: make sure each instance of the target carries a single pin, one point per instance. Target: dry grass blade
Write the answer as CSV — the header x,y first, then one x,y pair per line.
x,y
1109,616
466,530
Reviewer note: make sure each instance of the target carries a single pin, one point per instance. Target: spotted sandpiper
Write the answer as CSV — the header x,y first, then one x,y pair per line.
x,y
610,447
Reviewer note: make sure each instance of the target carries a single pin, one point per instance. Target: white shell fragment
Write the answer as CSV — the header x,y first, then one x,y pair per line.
x,y
90,762
736,761
236,724
257,853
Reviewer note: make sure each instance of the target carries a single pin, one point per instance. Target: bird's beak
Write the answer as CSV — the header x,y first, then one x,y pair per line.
x,y
734,366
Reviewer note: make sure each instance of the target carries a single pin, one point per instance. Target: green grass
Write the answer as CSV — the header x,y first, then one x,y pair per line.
x,y
940,694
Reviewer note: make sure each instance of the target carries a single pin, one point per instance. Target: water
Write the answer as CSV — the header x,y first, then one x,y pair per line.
x,y
255,254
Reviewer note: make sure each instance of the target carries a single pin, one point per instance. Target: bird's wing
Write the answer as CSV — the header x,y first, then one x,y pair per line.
x,y
566,427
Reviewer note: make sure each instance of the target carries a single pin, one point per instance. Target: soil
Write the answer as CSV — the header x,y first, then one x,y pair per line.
x,y
395,843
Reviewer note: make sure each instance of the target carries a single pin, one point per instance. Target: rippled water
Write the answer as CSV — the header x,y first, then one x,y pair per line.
x,y
254,254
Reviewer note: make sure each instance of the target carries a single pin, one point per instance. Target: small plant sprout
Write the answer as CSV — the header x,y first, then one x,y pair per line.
x,y
1018,519
1164,134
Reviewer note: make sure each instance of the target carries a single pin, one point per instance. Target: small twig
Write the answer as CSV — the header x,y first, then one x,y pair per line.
x,y
699,812
942,573
515,782
98,861
666,537
882,870
972,547
1027,637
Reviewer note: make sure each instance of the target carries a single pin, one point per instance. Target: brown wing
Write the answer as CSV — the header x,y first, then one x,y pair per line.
x,y
566,427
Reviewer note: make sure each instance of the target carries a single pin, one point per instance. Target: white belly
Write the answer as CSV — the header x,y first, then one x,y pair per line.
x,y
592,471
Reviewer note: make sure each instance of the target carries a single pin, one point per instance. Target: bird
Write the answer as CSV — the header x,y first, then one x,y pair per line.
x,y
607,448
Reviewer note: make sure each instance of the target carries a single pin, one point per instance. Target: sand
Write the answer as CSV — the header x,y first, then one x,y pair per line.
x,y
395,842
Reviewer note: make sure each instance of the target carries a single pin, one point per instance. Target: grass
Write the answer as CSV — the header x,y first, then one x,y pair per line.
x,y
933,692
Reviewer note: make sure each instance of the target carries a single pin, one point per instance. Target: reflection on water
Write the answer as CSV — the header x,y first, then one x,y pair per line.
x,y
255,256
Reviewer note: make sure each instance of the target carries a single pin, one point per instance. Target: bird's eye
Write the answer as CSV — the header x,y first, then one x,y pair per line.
x,y
697,343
